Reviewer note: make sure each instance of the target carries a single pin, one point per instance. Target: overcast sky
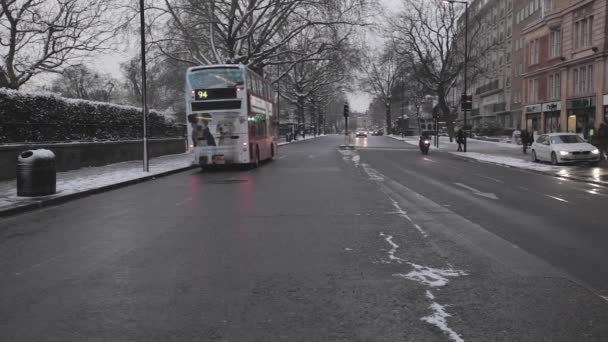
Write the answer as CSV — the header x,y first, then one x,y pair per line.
x,y
110,62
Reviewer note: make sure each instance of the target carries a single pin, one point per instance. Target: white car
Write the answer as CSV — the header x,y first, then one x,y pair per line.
x,y
564,148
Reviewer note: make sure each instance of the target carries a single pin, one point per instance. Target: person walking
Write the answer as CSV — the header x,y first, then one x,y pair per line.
x,y
460,139
602,138
525,139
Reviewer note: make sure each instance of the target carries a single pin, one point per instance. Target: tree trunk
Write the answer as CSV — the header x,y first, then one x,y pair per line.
x,y
389,125
446,115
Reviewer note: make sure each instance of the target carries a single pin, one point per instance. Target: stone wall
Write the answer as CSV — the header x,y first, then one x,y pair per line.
x,y
75,155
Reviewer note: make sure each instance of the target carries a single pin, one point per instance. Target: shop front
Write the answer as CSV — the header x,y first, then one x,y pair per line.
x,y
551,112
581,116
533,118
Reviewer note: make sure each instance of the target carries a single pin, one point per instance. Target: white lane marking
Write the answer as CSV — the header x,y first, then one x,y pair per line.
x,y
523,188
490,178
477,192
404,214
438,318
604,297
427,159
281,156
394,247
348,249
557,198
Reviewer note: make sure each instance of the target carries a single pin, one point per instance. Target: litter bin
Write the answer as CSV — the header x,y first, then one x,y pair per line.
x,y
36,173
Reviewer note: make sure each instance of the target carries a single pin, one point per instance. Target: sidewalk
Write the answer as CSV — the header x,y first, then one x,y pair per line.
x,y
511,155
308,137
86,181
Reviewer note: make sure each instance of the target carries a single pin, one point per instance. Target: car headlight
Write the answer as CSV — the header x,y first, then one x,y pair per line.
x,y
426,141
596,151
564,153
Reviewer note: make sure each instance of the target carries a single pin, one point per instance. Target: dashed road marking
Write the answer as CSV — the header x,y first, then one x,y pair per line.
x,y
557,198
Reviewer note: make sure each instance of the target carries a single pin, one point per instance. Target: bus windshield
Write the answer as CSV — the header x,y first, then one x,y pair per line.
x,y
215,78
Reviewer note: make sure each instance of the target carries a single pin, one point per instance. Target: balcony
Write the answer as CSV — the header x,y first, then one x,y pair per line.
x,y
491,86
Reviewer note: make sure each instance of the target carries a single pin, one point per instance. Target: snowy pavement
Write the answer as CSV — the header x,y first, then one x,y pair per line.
x,y
308,137
93,178
511,155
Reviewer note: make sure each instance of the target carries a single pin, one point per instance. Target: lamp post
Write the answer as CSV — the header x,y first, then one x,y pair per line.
x,y
143,85
466,60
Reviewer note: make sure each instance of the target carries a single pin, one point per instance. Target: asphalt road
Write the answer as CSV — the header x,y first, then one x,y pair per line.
x,y
374,244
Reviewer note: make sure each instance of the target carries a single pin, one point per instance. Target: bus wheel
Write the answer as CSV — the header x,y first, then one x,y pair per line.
x,y
256,161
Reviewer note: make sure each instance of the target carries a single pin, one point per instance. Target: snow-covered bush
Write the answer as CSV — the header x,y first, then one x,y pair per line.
x,y
46,117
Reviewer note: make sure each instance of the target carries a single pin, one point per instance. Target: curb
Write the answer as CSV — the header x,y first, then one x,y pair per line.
x,y
46,202
546,173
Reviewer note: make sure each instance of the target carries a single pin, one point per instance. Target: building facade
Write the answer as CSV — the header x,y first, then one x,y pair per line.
x,y
565,53
491,34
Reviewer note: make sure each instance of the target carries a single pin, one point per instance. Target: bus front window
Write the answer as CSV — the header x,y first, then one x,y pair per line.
x,y
215,78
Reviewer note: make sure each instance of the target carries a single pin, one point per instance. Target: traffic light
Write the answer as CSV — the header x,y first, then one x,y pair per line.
x,y
346,110
466,102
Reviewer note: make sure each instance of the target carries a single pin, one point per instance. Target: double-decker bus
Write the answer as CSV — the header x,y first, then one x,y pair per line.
x,y
231,115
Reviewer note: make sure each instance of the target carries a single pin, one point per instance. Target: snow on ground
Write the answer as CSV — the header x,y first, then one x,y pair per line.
x,y
301,139
393,250
508,161
96,177
438,318
433,277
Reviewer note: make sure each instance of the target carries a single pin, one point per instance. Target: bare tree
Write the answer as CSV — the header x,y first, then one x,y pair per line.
x,y
382,73
83,83
251,32
46,35
426,33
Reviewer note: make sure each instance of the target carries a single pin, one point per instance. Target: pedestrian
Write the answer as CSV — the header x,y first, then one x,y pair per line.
x,y
460,139
602,138
525,139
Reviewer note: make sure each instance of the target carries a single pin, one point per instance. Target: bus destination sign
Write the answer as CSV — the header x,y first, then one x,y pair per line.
x,y
214,94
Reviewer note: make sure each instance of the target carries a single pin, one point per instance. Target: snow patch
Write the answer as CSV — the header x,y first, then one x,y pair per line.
x,y
439,318
433,277
393,250
508,161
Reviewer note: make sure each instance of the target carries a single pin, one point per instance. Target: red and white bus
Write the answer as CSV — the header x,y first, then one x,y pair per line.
x,y
231,115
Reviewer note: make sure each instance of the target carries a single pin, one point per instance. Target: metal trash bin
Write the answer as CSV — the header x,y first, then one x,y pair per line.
x,y
36,173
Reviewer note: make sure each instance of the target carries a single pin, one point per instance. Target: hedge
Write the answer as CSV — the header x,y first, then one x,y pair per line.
x,y
28,117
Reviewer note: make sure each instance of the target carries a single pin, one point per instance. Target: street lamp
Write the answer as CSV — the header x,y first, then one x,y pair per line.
x,y
143,85
466,60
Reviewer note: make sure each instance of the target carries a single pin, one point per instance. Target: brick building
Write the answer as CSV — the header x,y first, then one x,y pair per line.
x,y
564,57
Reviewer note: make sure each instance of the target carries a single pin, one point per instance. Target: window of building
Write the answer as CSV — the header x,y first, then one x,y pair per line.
x,y
525,12
582,32
583,80
555,43
509,4
533,90
534,51
548,6
554,86
536,5
509,24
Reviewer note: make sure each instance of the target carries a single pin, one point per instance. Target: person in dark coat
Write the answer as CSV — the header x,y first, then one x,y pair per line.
x,y
602,138
525,140
460,139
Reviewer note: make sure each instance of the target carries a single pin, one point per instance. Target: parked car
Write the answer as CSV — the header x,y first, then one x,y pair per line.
x,y
560,148
378,132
